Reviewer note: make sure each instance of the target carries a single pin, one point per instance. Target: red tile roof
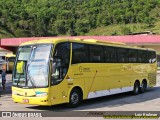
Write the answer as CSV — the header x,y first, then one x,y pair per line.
x,y
129,39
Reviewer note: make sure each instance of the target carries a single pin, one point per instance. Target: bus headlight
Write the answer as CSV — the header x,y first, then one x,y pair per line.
x,y
42,94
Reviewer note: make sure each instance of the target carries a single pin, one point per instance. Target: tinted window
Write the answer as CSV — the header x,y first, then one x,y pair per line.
x,y
96,54
132,55
62,50
60,62
142,56
79,53
122,55
110,55
151,56
83,53
11,59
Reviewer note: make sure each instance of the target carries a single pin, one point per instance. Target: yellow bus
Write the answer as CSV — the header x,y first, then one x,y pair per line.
x,y
10,58
7,61
54,71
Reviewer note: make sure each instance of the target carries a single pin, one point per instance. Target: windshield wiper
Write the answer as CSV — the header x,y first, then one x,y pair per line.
x,y
29,77
31,80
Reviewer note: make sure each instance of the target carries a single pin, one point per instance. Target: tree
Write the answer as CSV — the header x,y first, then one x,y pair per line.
x,y
72,17
59,27
125,30
82,26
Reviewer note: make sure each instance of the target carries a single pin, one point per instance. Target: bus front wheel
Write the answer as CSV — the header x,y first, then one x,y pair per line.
x,y
136,88
75,98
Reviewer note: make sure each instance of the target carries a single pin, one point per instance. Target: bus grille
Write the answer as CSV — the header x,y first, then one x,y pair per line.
x,y
152,78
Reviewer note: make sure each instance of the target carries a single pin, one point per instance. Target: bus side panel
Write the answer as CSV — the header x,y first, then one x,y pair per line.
x,y
75,78
111,80
58,93
106,79
88,76
152,74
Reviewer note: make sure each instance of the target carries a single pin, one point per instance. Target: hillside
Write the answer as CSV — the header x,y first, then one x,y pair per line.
x,y
123,29
25,18
4,33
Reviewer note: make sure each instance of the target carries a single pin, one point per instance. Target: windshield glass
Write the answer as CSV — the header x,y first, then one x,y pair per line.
x,y
22,59
31,68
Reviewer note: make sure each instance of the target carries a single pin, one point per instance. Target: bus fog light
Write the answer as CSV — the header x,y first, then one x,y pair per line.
x,y
41,94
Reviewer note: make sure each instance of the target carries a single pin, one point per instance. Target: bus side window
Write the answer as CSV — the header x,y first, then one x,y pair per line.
x,y
121,55
60,64
152,57
79,53
131,55
11,59
96,54
110,54
56,72
143,56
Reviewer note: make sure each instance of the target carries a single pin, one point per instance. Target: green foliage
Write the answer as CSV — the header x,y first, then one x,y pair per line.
x,y
122,29
125,30
23,18
21,33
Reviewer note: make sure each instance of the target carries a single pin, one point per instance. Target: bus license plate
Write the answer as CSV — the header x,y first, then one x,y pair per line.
x,y
25,100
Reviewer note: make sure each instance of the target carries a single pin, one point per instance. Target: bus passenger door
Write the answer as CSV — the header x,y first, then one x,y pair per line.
x,y
59,69
58,90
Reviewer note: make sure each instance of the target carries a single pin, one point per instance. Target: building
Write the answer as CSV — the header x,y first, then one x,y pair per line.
x,y
145,41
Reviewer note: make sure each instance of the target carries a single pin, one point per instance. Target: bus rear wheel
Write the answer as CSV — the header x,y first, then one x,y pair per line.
x,y
136,88
75,98
143,86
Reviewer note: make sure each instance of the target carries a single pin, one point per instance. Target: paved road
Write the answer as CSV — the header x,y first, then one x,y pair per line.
x,y
149,101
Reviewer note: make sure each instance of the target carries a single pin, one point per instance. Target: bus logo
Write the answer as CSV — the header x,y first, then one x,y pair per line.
x,y
80,69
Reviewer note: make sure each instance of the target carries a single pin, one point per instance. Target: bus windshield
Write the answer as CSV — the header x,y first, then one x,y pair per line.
x,y
32,64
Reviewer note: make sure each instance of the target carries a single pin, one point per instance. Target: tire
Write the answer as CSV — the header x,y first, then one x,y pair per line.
x,y
75,98
143,87
136,88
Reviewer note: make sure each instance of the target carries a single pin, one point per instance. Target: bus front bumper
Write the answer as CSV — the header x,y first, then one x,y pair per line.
x,y
31,100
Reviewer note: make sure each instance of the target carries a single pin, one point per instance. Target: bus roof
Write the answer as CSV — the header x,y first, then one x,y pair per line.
x,y
79,40
41,41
